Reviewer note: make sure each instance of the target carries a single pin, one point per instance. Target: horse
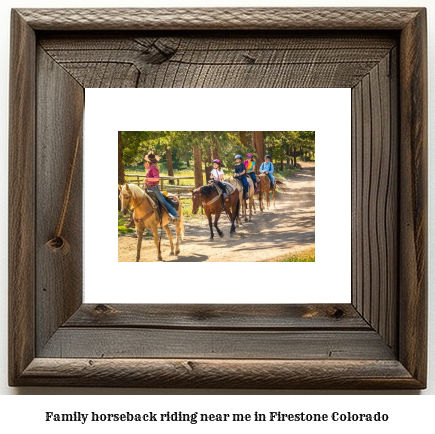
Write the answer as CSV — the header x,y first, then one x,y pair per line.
x,y
265,188
146,216
209,198
238,184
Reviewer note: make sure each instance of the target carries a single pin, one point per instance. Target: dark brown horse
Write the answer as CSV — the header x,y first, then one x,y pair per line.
x,y
208,197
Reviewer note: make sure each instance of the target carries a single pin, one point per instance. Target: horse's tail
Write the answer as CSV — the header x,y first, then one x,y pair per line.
x,y
238,207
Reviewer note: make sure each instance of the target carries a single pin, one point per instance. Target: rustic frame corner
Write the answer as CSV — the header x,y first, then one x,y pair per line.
x,y
376,342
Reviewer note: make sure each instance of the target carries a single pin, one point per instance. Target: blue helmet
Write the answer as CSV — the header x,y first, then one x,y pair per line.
x,y
238,156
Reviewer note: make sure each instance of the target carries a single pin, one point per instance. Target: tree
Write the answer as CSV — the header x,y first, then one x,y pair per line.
x,y
169,163
121,173
197,162
258,145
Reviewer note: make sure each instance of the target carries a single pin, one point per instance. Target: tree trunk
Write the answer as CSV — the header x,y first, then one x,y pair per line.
x,y
208,165
169,164
121,174
243,138
187,162
215,148
258,144
197,166
282,156
294,154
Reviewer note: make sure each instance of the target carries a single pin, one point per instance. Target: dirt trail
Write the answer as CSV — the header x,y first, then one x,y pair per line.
x,y
276,232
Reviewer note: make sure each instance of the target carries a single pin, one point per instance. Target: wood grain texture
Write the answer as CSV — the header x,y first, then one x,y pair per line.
x,y
128,342
21,197
235,60
413,187
220,317
379,342
376,198
60,105
219,18
229,374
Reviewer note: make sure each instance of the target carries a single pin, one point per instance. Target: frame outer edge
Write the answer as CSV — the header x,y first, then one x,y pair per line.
x,y
21,266
413,218
413,198
230,373
219,18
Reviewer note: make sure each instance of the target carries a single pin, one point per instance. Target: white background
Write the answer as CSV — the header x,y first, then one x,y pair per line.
x,y
411,413
326,111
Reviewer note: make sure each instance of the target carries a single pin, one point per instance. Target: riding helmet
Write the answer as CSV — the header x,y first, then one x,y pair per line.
x,y
217,161
249,155
238,156
267,156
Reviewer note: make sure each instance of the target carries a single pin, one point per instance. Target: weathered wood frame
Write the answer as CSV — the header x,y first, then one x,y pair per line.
x,y
377,341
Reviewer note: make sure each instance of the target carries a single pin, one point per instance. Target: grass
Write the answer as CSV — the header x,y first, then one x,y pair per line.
x,y
121,228
300,257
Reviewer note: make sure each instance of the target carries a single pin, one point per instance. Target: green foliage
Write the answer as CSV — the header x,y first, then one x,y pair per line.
x,y
280,145
223,144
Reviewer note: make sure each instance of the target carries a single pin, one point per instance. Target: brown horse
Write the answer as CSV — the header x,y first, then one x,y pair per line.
x,y
146,217
265,188
209,198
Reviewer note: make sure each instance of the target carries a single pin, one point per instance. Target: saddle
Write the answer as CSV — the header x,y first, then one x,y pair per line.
x,y
158,205
229,187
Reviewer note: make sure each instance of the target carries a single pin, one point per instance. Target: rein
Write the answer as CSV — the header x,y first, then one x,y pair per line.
x,y
147,215
215,199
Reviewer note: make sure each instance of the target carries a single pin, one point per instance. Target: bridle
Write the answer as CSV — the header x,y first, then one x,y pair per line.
x,y
137,206
204,204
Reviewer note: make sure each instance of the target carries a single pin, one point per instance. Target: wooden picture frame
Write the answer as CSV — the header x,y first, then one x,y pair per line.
x,y
377,341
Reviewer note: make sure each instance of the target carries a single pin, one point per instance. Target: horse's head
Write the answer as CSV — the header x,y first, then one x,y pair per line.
x,y
196,200
125,198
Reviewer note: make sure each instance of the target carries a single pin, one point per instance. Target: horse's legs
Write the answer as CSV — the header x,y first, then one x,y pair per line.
x,y
139,233
273,194
216,218
233,216
156,242
245,204
169,234
251,204
240,213
178,231
210,223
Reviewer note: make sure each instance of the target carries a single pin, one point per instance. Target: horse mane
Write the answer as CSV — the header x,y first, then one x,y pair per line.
x,y
207,190
136,191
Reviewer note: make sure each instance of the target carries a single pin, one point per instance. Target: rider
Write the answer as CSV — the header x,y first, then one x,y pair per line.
x,y
267,168
250,169
217,175
240,173
151,182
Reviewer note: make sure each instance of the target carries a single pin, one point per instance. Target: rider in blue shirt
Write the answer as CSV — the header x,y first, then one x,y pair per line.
x,y
240,173
267,168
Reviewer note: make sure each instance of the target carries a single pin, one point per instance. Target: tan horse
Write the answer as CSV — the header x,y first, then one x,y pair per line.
x,y
146,217
265,189
238,184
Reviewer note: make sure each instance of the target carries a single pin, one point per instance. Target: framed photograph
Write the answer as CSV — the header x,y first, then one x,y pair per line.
x,y
58,338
